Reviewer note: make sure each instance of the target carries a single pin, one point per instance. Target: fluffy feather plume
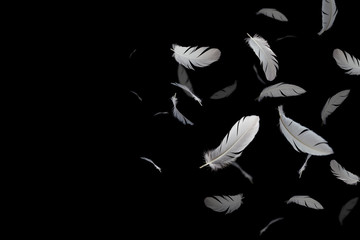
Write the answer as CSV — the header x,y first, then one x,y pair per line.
x,y
301,138
347,62
231,147
224,203
272,13
267,57
194,56
329,12
333,103
342,174
305,201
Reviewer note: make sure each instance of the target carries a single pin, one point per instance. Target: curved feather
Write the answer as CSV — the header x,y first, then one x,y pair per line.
x,y
178,115
342,174
347,208
270,223
224,203
186,89
301,138
347,62
231,147
305,201
281,90
194,56
329,12
267,57
184,79
333,103
272,13
225,92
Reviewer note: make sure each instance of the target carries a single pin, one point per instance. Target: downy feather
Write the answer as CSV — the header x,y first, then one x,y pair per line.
x,y
225,92
281,90
231,147
272,13
224,203
342,174
178,115
333,103
347,208
347,62
301,138
305,201
266,56
329,12
194,56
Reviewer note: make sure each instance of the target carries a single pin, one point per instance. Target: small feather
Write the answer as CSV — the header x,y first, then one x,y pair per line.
x,y
305,201
224,203
347,208
272,13
225,92
342,174
149,160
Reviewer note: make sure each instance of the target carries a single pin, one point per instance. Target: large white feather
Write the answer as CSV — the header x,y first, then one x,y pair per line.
x,y
347,62
347,208
231,147
305,201
281,90
224,203
225,92
301,138
178,115
186,89
267,57
333,103
194,56
272,13
329,12
342,174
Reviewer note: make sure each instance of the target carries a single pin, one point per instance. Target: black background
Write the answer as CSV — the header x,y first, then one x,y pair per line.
x,y
123,194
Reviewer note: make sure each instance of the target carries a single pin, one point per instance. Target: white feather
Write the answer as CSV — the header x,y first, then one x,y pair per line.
x,y
272,13
225,92
224,203
329,12
301,138
347,62
304,165
178,115
347,208
281,90
333,103
149,160
271,222
245,174
231,147
184,79
194,56
342,174
305,201
267,57
185,88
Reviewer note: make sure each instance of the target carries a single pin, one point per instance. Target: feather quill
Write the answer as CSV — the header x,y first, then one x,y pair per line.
x,y
272,13
225,92
281,90
231,147
224,203
301,138
333,103
149,160
266,56
270,223
185,88
347,62
305,201
342,174
347,208
194,56
329,12
178,115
